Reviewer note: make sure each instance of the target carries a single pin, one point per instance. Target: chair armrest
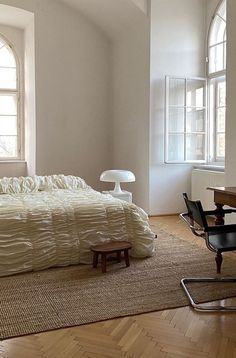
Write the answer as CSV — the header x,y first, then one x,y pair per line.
x,y
224,211
198,231
221,228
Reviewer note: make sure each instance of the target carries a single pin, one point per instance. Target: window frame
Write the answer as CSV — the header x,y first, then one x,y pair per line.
x,y
217,76
19,104
185,107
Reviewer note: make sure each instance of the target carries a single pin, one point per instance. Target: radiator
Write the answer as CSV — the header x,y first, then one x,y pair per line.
x,y
201,179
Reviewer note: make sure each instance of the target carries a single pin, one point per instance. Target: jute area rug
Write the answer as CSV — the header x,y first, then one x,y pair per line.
x,y
63,297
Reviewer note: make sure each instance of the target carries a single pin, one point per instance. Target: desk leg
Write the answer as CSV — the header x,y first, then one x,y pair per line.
x,y
219,220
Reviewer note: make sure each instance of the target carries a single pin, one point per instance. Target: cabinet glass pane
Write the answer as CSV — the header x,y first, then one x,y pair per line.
x,y
195,93
176,119
8,105
8,146
176,147
176,92
195,146
195,120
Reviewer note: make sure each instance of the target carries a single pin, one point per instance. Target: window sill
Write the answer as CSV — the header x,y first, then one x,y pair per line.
x,y
212,167
16,161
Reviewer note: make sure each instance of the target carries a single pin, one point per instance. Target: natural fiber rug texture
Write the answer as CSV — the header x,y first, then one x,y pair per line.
x,y
63,297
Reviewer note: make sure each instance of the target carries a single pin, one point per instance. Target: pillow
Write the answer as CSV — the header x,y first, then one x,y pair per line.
x,y
35,183
18,185
61,182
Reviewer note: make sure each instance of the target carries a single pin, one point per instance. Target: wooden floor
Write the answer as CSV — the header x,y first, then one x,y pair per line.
x,y
172,333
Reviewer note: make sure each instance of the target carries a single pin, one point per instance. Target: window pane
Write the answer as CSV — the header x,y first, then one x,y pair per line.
x,y
8,78
195,93
221,94
176,147
222,10
195,121
195,146
216,58
8,146
2,43
176,119
176,92
224,59
8,125
8,105
220,126
7,58
217,31
220,145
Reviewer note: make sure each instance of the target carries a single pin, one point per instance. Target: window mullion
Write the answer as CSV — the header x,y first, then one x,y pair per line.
x,y
185,118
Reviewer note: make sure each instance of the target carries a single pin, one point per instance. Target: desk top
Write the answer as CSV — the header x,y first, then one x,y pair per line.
x,y
223,189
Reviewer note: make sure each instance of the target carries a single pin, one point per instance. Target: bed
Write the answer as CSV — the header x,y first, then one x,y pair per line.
x,y
48,221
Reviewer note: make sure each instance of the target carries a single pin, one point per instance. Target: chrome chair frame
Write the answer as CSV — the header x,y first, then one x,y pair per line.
x,y
203,232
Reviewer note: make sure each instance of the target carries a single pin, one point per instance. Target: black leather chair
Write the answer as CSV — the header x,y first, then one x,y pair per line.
x,y
218,238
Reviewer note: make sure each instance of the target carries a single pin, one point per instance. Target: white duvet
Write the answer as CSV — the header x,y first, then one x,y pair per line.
x,y
54,221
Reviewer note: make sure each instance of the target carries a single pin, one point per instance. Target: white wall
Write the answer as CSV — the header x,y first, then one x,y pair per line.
x,y
142,4
72,86
177,48
230,158
131,107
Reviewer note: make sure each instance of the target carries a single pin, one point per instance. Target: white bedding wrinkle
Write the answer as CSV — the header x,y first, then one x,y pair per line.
x,y
56,227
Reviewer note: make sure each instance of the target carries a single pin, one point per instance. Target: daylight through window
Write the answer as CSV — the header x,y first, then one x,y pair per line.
x,y
9,103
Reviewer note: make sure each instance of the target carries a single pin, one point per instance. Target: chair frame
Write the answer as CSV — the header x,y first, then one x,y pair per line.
x,y
202,230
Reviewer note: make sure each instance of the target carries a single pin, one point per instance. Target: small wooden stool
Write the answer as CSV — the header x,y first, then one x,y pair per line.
x,y
110,248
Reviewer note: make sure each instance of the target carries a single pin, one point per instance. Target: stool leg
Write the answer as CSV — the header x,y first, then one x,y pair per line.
x,y
126,254
118,255
104,263
95,259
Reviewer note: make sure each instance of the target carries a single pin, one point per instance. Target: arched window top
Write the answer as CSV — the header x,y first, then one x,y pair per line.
x,y
217,40
8,68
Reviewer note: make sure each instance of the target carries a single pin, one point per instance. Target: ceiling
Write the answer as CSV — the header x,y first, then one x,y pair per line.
x,y
112,16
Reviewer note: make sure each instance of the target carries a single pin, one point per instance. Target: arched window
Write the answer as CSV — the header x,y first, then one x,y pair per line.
x,y
10,132
217,84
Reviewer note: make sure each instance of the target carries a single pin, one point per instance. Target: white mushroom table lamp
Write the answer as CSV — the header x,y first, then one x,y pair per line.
x,y
118,176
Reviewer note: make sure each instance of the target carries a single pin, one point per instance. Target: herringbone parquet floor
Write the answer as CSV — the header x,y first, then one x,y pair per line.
x,y
171,333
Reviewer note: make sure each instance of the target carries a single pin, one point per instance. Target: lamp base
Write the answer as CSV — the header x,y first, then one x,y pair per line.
x,y
117,188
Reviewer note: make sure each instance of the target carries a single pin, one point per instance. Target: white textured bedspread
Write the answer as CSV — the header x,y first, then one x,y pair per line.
x,y
56,228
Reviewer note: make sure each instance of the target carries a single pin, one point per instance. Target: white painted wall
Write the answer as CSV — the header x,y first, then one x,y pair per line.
x,y
177,48
230,158
72,86
131,107
142,4
211,6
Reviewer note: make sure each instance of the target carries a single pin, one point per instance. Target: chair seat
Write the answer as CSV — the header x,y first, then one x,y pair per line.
x,y
223,241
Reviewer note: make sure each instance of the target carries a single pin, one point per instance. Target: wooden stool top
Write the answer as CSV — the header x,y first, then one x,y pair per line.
x,y
111,246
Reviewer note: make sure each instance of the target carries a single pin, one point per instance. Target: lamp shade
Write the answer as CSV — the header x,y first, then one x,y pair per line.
x,y
117,176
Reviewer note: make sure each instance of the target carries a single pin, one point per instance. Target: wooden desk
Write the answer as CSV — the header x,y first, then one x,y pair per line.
x,y
223,195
